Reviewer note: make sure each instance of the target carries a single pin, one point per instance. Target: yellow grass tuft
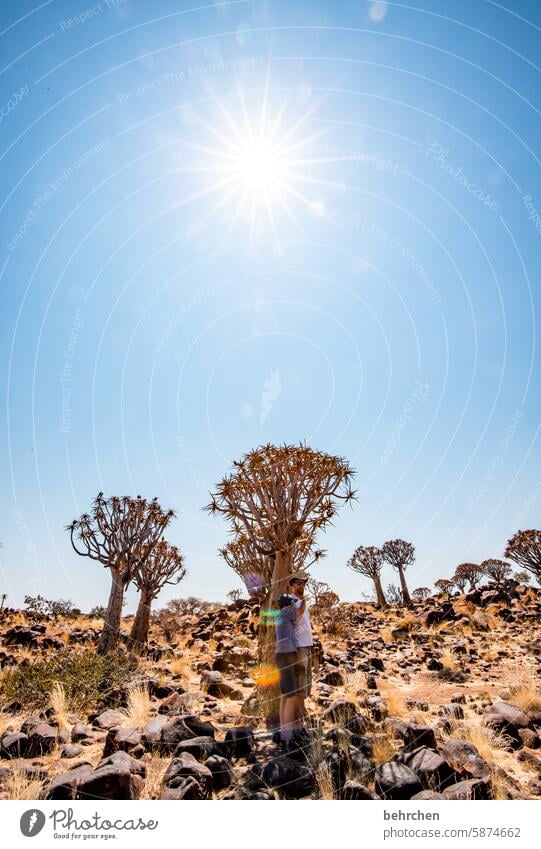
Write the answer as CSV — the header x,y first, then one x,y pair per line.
x,y
155,770
138,710
324,781
59,705
179,666
384,745
527,694
19,786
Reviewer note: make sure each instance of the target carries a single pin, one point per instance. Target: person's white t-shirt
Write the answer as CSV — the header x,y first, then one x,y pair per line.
x,y
303,628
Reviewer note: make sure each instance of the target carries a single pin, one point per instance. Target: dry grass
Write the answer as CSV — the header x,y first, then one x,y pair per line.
x,y
155,770
489,743
59,705
527,694
138,711
384,745
180,667
324,781
19,786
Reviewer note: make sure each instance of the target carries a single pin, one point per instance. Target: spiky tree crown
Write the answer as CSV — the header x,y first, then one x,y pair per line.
x,y
471,572
119,530
398,553
498,570
524,548
279,495
164,565
367,560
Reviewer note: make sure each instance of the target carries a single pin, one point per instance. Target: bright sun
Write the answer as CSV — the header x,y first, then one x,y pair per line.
x,y
256,165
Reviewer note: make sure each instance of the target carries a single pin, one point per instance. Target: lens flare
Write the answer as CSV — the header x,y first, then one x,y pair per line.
x,y
266,675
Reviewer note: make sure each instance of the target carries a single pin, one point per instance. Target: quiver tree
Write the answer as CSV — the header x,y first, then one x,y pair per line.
x,y
278,498
524,548
120,533
470,572
367,560
443,585
256,570
460,581
497,570
164,565
400,554
421,593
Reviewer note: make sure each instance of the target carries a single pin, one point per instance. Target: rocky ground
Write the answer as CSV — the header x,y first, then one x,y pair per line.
x,y
441,700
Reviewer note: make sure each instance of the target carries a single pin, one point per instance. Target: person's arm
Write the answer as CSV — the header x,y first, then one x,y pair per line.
x,y
301,608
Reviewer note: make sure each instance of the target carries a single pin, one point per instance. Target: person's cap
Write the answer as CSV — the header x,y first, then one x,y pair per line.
x,y
284,601
298,576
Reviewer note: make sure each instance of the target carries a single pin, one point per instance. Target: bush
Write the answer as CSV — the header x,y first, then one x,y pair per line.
x,y
88,679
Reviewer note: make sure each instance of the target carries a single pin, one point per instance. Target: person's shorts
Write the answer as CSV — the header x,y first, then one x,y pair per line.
x,y
304,673
288,667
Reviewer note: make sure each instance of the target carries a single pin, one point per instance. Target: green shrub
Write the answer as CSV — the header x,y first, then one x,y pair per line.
x,y
88,679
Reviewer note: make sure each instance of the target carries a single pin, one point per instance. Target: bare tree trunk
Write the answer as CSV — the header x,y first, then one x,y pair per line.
x,y
141,623
111,627
406,598
380,595
268,691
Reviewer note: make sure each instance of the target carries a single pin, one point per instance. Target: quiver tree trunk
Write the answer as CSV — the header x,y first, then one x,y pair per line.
x,y
141,623
268,689
381,601
406,598
110,634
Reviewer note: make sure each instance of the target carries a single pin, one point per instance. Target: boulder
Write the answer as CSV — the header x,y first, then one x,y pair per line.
x,y
511,714
71,751
222,771
152,732
179,777
355,790
42,739
111,781
292,780
395,780
121,739
108,719
474,788
239,742
66,784
80,731
200,747
430,767
13,745
213,684
464,758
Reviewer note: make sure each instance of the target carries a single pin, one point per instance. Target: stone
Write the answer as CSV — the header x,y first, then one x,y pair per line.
x,y
213,683
80,731
222,771
42,739
353,789
433,771
511,714
475,788
529,738
71,751
427,795
121,739
464,758
180,728
454,710
185,767
152,732
395,780
13,745
66,784
292,780
200,747
239,742
108,719
332,677
414,735
111,781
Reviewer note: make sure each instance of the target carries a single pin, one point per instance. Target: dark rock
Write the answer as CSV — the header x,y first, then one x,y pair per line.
x,y
415,736
13,745
121,739
42,739
433,771
475,788
454,710
200,747
529,738
222,771
427,795
511,714
395,780
465,758
332,677
80,731
108,719
71,751
66,784
152,732
239,742
292,780
355,790
185,767
213,684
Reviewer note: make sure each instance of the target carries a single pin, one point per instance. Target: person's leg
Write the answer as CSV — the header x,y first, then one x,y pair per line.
x,y
282,706
289,718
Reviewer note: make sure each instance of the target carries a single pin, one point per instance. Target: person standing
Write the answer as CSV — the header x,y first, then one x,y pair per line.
x,y
287,665
304,639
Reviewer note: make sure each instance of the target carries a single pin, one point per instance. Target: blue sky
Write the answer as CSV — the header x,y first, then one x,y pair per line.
x,y
154,326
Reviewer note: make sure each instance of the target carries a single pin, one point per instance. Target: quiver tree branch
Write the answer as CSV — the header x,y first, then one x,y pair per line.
x,y
120,533
524,548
